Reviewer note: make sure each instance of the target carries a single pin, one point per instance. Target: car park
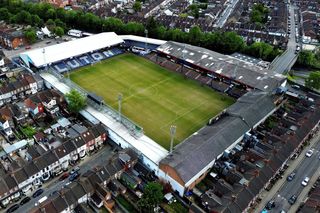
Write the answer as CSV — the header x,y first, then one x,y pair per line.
x,y
292,199
13,208
305,181
25,200
37,193
270,205
291,176
309,153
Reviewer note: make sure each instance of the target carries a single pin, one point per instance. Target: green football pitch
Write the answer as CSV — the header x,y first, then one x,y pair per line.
x,y
153,97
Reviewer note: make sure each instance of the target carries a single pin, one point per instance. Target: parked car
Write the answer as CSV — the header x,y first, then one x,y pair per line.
x,y
13,208
295,86
305,181
25,200
37,193
74,170
291,176
271,204
74,176
292,199
28,47
309,153
64,176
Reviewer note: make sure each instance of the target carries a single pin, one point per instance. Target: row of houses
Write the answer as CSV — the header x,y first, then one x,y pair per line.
x,y
24,84
11,37
96,186
13,115
41,163
309,20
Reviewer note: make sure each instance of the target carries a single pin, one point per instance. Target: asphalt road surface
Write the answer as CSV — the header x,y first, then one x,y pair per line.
x,y
100,158
226,13
307,168
287,59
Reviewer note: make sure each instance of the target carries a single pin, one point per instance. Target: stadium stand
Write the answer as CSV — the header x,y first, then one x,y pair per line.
x,y
226,67
97,56
42,57
73,64
60,67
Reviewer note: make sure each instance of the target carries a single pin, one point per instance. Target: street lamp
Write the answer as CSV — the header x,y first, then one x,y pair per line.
x,y
44,58
146,44
172,134
120,96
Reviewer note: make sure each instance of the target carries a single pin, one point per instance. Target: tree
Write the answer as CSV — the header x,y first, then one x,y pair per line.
x,y
313,81
306,58
151,198
30,35
137,6
59,31
36,21
76,101
4,14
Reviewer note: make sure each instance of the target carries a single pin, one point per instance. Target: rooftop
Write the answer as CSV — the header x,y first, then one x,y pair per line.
x,y
244,72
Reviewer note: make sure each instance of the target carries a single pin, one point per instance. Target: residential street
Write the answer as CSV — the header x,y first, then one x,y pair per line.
x,y
99,158
283,189
307,168
225,14
284,62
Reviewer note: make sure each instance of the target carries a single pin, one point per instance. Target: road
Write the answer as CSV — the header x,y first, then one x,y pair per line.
x,y
307,168
99,158
284,62
225,14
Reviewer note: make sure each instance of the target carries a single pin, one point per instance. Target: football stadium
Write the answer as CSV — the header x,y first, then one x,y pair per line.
x,y
139,88
153,97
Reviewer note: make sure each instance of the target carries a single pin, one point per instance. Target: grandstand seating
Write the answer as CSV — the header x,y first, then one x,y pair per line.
x,y
85,59
141,45
97,56
212,82
236,92
73,63
61,67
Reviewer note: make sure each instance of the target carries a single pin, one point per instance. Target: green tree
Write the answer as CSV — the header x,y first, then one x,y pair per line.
x,y
76,101
137,6
313,81
28,131
306,58
30,35
259,14
4,14
36,21
59,31
23,17
195,35
151,198
51,14
134,28
51,24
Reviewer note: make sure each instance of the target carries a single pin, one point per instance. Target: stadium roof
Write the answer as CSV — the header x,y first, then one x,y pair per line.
x,y
225,65
47,55
190,157
143,39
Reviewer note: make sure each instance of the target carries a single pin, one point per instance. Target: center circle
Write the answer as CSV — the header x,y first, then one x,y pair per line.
x,y
140,90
